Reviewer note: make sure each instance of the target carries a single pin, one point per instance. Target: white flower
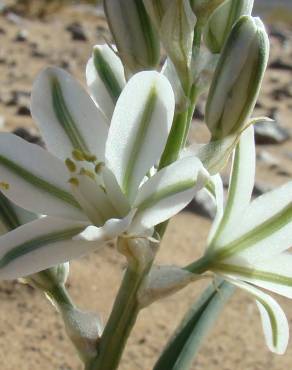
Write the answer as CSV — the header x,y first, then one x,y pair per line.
x,y
105,77
248,242
94,185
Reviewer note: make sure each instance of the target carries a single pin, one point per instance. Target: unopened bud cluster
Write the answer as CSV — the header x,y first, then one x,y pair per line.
x,y
228,31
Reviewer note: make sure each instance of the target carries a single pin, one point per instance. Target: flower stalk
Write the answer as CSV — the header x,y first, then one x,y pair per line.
x,y
126,306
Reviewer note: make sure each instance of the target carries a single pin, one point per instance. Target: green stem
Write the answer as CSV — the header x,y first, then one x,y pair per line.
x,y
60,297
175,139
195,92
200,266
197,36
120,323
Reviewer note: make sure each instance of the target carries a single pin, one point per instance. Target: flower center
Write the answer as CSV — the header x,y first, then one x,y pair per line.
x,y
88,188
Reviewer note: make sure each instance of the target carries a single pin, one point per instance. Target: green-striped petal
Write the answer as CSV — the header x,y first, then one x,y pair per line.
x,y
12,216
168,192
67,116
274,274
40,244
105,78
264,229
140,125
36,180
112,228
216,191
240,186
274,321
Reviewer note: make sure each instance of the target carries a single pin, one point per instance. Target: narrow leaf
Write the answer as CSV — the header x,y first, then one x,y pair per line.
x,y
184,345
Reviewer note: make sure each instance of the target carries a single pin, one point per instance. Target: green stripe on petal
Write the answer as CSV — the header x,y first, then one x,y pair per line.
x,y
139,129
274,321
259,233
37,243
65,118
38,182
240,186
106,74
143,126
167,192
41,244
252,273
7,214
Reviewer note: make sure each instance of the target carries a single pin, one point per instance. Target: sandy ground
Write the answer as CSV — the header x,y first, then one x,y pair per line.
x,y
31,333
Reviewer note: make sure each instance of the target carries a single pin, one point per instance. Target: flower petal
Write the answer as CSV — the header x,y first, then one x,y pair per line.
x,y
105,78
274,321
110,230
264,229
115,195
36,180
169,71
215,190
93,199
40,244
274,274
67,116
12,216
240,186
140,126
168,192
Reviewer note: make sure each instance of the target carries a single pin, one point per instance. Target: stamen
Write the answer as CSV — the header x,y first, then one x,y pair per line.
x,y
73,181
89,157
4,185
78,155
88,173
70,165
99,167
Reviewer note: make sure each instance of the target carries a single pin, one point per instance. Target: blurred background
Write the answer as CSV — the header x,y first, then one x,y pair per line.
x,y
37,33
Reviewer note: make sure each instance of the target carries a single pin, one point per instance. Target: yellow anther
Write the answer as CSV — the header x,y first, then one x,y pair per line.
x,y
89,157
99,167
70,165
73,181
4,185
88,173
78,155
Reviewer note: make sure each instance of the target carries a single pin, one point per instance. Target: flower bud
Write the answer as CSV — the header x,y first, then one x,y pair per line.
x,y
237,78
46,280
134,35
175,22
221,21
84,329
157,10
204,8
